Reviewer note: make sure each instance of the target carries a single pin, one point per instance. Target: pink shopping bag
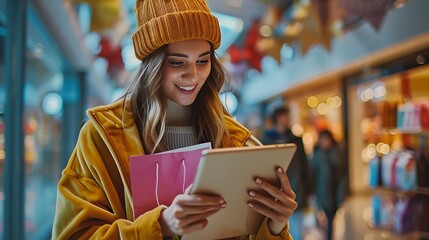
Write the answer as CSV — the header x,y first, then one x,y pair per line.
x,y
158,178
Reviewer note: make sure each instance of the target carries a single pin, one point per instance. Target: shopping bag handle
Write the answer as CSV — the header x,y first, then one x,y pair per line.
x,y
157,179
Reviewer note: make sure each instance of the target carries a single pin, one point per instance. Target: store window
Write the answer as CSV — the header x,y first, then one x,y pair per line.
x,y
2,102
51,115
389,131
42,117
387,114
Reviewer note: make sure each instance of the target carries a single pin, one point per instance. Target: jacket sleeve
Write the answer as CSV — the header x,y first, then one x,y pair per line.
x,y
90,201
263,231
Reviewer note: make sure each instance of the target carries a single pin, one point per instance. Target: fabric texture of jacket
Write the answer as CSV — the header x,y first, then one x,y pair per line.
x,y
94,199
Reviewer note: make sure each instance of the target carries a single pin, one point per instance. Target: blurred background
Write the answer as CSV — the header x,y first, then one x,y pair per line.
x,y
357,68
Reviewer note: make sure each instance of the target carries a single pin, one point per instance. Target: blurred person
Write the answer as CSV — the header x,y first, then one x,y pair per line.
x,y
329,173
171,103
298,171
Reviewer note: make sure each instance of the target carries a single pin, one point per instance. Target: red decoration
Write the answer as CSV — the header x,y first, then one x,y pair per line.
x,y
249,52
113,56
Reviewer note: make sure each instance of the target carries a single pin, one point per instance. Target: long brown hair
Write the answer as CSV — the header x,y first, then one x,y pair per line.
x,y
149,106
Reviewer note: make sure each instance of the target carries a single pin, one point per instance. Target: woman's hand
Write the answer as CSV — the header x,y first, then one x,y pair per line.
x,y
189,213
277,204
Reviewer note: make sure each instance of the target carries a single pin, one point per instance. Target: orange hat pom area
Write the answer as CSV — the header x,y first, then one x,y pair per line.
x,y
161,22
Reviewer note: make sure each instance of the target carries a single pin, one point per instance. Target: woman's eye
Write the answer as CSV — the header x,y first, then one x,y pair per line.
x,y
174,63
202,62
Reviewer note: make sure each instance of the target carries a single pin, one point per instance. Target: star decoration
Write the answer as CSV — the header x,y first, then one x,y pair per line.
x,y
312,32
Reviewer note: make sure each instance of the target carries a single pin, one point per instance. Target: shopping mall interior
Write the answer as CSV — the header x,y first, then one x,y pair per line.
x,y
356,68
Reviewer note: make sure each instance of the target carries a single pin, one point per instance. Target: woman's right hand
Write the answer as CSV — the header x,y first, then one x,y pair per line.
x,y
188,213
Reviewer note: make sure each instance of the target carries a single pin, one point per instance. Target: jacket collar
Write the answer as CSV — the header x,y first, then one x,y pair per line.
x,y
119,132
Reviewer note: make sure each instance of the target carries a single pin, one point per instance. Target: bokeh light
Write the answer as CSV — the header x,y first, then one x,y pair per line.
x,y
312,101
52,104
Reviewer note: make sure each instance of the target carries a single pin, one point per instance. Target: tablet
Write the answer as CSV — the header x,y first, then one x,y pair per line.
x,y
230,173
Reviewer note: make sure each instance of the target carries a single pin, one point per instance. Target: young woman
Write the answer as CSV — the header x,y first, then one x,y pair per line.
x,y
172,102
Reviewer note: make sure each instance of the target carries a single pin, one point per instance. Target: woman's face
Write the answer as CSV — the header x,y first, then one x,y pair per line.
x,y
186,68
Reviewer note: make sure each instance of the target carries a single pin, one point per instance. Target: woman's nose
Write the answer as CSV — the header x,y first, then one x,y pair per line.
x,y
191,72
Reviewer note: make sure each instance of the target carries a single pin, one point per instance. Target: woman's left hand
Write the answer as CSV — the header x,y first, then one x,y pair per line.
x,y
278,204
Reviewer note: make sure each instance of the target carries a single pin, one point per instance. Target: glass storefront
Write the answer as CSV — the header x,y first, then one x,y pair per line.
x,y
389,129
2,102
51,115
374,121
42,127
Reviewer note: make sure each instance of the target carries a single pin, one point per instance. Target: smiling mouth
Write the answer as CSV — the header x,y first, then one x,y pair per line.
x,y
186,88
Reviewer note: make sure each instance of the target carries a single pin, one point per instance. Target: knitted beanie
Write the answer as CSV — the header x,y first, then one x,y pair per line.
x,y
161,22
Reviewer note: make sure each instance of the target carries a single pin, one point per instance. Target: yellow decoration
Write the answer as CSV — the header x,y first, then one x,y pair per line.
x,y
301,12
105,13
270,46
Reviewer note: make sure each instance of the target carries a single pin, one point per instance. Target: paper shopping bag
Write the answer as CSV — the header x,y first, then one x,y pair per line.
x,y
158,178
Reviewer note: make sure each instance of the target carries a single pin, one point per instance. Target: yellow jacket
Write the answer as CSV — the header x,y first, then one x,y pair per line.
x,y
94,198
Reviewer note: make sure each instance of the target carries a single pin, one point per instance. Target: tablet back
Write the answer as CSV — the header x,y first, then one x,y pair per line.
x,y
230,172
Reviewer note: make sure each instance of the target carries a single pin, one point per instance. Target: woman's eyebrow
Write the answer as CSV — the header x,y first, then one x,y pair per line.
x,y
204,53
186,56
178,55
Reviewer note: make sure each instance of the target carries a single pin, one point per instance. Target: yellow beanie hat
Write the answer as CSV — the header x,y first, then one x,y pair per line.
x,y
161,22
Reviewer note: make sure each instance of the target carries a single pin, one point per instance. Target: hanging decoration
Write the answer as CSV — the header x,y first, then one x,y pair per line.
x,y
271,40
306,23
311,33
105,13
249,52
329,16
303,23
113,56
271,47
310,23
111,50
372,10
109,20
318,24
271,18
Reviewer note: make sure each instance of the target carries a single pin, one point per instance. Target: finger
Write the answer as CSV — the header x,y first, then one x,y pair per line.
x,y
194,227
187,210
270,213
274,191
188,189
199,200
285,183
281,207
192,219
